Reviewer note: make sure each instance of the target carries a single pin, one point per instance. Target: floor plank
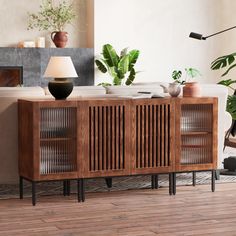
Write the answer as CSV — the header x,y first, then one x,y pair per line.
x,y
193,211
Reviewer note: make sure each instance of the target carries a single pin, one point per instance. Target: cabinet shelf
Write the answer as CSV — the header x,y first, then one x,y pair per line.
x,y
193,146
57,139
191,133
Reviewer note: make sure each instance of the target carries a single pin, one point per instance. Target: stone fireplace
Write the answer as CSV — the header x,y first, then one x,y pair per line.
x,y
11,76
26,66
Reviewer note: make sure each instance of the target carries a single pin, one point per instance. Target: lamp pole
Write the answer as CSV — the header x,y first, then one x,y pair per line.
x,y
200,37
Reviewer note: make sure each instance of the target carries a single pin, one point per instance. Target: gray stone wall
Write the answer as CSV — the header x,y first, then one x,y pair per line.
x,y
34,62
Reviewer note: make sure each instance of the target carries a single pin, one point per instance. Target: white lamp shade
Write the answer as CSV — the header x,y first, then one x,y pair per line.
x,y
60,67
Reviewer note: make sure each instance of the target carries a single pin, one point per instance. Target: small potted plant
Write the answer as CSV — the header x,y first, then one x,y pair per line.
x,y
53,17
119,67
190,89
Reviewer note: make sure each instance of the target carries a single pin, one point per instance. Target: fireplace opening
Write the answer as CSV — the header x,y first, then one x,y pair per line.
x,y
11,76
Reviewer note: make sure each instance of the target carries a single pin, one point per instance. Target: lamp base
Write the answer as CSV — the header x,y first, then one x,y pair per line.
x,y
60,88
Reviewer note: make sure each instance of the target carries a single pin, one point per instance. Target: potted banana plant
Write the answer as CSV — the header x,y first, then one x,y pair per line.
x,y
119,67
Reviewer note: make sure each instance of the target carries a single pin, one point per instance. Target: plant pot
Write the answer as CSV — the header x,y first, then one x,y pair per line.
x,y
191,89
174,89
59,38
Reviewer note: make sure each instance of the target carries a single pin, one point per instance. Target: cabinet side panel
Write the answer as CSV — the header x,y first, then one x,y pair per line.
x,y
25,141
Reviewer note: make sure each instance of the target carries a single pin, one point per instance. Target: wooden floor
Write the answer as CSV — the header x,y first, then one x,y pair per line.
x,y
193,211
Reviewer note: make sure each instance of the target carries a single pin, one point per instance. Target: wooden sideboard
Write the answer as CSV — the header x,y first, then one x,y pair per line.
x,y
88,138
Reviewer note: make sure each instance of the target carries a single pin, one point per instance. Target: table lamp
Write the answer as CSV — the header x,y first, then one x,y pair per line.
x,y
61,69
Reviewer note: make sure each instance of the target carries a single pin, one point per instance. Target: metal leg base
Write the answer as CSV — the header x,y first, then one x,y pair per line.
x,y
154,181
108,182
81,190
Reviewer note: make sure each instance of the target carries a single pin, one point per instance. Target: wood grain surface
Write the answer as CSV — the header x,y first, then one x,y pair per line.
x,y
193,211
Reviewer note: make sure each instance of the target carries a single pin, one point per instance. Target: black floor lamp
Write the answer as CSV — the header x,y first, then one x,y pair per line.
x,y
230,162
200,37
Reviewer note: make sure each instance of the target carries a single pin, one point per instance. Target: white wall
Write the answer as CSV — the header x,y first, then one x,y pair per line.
x,y
160,29
14,21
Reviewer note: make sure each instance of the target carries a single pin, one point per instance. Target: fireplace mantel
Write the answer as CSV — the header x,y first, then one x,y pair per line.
x,y
34,62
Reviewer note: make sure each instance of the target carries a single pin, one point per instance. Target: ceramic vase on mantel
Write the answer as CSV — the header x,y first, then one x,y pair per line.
x,y
191,89
59,38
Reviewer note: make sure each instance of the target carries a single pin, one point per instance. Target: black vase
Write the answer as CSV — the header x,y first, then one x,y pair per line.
x,y
60,88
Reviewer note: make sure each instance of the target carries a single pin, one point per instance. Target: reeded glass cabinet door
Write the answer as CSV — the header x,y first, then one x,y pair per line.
x,y
196,134
58,130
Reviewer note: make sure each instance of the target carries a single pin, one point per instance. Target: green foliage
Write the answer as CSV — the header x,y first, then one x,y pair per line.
x,y
223,62
231,106
227,83
120,68
227,62
190,74
176,75
52,16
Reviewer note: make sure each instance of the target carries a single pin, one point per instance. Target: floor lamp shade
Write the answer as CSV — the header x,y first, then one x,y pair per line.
x,y
61,69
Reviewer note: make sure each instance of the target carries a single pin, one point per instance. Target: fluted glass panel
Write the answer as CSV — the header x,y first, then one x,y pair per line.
x,y
57,140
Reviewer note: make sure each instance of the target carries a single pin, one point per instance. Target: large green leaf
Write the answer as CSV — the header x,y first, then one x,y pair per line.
x,y
176,74
113,72
133,56
123,66
222,62
117,81
110,55
101,66
131,77
227,83
231,106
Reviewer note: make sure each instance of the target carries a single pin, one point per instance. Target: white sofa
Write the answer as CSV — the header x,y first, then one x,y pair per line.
x,y
9,127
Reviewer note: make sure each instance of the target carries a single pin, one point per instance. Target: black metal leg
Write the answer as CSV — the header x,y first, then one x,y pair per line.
x,y
152,181
64,188
194,178
21,187
68,187
108,182
174,183
33,193
78,190
170,184
83,190
156,182
213,180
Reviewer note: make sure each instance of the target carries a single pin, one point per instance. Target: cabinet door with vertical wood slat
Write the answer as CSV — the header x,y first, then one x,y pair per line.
x,y
153,134
107,138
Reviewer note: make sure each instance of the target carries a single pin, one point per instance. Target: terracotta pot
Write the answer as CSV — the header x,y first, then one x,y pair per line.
x,y
191,89
59,38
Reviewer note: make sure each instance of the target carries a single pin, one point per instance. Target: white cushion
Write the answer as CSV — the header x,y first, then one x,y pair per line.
x,y
134,89
20,92
82,91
